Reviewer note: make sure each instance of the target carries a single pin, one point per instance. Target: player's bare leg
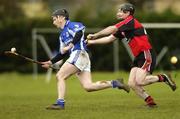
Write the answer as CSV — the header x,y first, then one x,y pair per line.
x,y
138,89
88,85
66,71
133,84
149,79
142,81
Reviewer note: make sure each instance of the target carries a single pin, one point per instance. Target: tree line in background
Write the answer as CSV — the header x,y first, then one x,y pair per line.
x,y
15,31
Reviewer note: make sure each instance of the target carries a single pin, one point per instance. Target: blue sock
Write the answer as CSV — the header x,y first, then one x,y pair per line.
x,y
114,84
60,102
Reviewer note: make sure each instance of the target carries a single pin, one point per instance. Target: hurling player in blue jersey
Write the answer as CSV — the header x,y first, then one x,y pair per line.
x,y
72,44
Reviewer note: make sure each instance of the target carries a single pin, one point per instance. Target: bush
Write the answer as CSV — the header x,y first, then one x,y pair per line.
x,y
17,33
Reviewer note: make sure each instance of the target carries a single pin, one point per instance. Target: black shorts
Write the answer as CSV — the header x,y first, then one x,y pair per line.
x,y
145,60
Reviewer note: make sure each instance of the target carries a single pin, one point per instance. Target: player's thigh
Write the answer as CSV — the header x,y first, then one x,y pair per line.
x,y
67,70
132,74
84,78
140,75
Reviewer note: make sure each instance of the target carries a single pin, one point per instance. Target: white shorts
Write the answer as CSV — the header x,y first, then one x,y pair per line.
x,y
80,59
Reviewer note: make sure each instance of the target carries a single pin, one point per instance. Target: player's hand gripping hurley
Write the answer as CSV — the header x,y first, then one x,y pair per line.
x,y
10,53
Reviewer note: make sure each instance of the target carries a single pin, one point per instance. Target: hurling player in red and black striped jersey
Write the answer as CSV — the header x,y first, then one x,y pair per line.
x,y
137,39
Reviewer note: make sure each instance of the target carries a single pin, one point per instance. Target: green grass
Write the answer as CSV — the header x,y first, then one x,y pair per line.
x,y
21,97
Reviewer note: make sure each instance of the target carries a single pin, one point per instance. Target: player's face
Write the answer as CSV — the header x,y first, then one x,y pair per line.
x,y
122,15
58,21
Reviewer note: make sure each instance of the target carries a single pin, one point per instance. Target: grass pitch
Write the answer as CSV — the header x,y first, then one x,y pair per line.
x,y
21,97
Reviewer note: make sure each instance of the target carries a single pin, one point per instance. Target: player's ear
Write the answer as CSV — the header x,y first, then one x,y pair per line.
x,y
129,12
64,18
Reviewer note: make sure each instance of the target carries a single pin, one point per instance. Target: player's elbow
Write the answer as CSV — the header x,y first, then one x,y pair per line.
x,y
110,39
112,29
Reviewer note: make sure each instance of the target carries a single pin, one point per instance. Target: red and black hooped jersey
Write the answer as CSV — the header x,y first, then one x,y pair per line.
x,y
135,33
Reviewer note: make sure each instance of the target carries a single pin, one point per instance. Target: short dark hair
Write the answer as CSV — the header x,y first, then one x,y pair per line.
x,y
61,12
127,7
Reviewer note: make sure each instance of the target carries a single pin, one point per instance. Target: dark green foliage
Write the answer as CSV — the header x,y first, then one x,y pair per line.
x,y
15,31
152,17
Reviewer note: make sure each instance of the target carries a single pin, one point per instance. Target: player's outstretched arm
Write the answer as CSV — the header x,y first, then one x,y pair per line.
x,y
103,40
107,31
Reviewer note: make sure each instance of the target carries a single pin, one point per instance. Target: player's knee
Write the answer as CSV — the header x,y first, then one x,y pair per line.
x,y
87,88
140,83
60,76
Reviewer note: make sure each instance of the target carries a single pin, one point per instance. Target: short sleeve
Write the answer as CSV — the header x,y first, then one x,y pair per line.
x,y
118,34
75,27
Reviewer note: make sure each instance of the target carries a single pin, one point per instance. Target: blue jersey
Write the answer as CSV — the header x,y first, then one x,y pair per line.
x,y
67,34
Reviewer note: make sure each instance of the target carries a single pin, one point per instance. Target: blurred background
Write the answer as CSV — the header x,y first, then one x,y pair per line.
x,y
22,20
